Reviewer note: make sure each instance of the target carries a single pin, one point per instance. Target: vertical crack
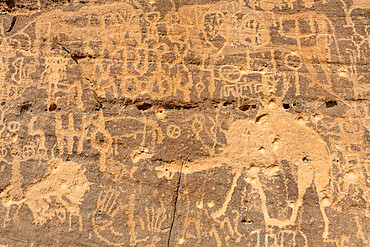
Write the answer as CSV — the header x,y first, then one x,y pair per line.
x,y
174,209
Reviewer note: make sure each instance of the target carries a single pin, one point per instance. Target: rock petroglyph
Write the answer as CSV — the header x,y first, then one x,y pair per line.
x,y
184,123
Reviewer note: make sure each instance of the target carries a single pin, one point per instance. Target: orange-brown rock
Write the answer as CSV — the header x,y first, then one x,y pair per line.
x,y
184,123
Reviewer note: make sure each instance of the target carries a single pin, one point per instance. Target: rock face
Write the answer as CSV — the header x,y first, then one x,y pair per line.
x,y
184,123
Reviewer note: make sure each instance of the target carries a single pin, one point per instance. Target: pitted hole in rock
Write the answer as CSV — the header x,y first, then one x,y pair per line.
x,y
244,107
286,106
247,107
52,107
144,106
330,103
247,221
226,103
306,159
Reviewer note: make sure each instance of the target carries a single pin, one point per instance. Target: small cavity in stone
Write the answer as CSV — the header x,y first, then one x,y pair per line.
x,y
52,107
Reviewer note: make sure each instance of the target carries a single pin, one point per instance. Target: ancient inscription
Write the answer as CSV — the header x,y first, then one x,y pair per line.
x,y
184,123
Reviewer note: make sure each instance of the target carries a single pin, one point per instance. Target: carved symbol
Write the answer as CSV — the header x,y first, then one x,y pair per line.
x,y
102,141
13,126
28,151
173,131
293,61
3,152
229,72
69,133
254,31
106,208
213,28
105,218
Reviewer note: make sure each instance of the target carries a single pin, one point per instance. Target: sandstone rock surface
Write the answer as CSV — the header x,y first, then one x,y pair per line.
x,y
184,123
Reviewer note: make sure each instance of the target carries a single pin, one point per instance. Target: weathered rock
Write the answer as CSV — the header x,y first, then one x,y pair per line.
x,y
184,123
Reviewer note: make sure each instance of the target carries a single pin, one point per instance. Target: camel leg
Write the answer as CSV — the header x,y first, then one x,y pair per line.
x,y
229,194
304,181
321,181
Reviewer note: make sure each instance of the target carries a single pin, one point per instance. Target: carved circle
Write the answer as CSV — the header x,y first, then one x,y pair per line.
x,y
173,131
293,61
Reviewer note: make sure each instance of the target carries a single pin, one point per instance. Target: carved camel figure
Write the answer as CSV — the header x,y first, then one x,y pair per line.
x,y
255,145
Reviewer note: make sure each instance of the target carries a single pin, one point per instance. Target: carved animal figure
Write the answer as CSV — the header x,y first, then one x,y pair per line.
x,y
254,145
65,182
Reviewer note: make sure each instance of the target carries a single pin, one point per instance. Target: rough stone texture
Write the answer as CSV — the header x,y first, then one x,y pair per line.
x,y
184,123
